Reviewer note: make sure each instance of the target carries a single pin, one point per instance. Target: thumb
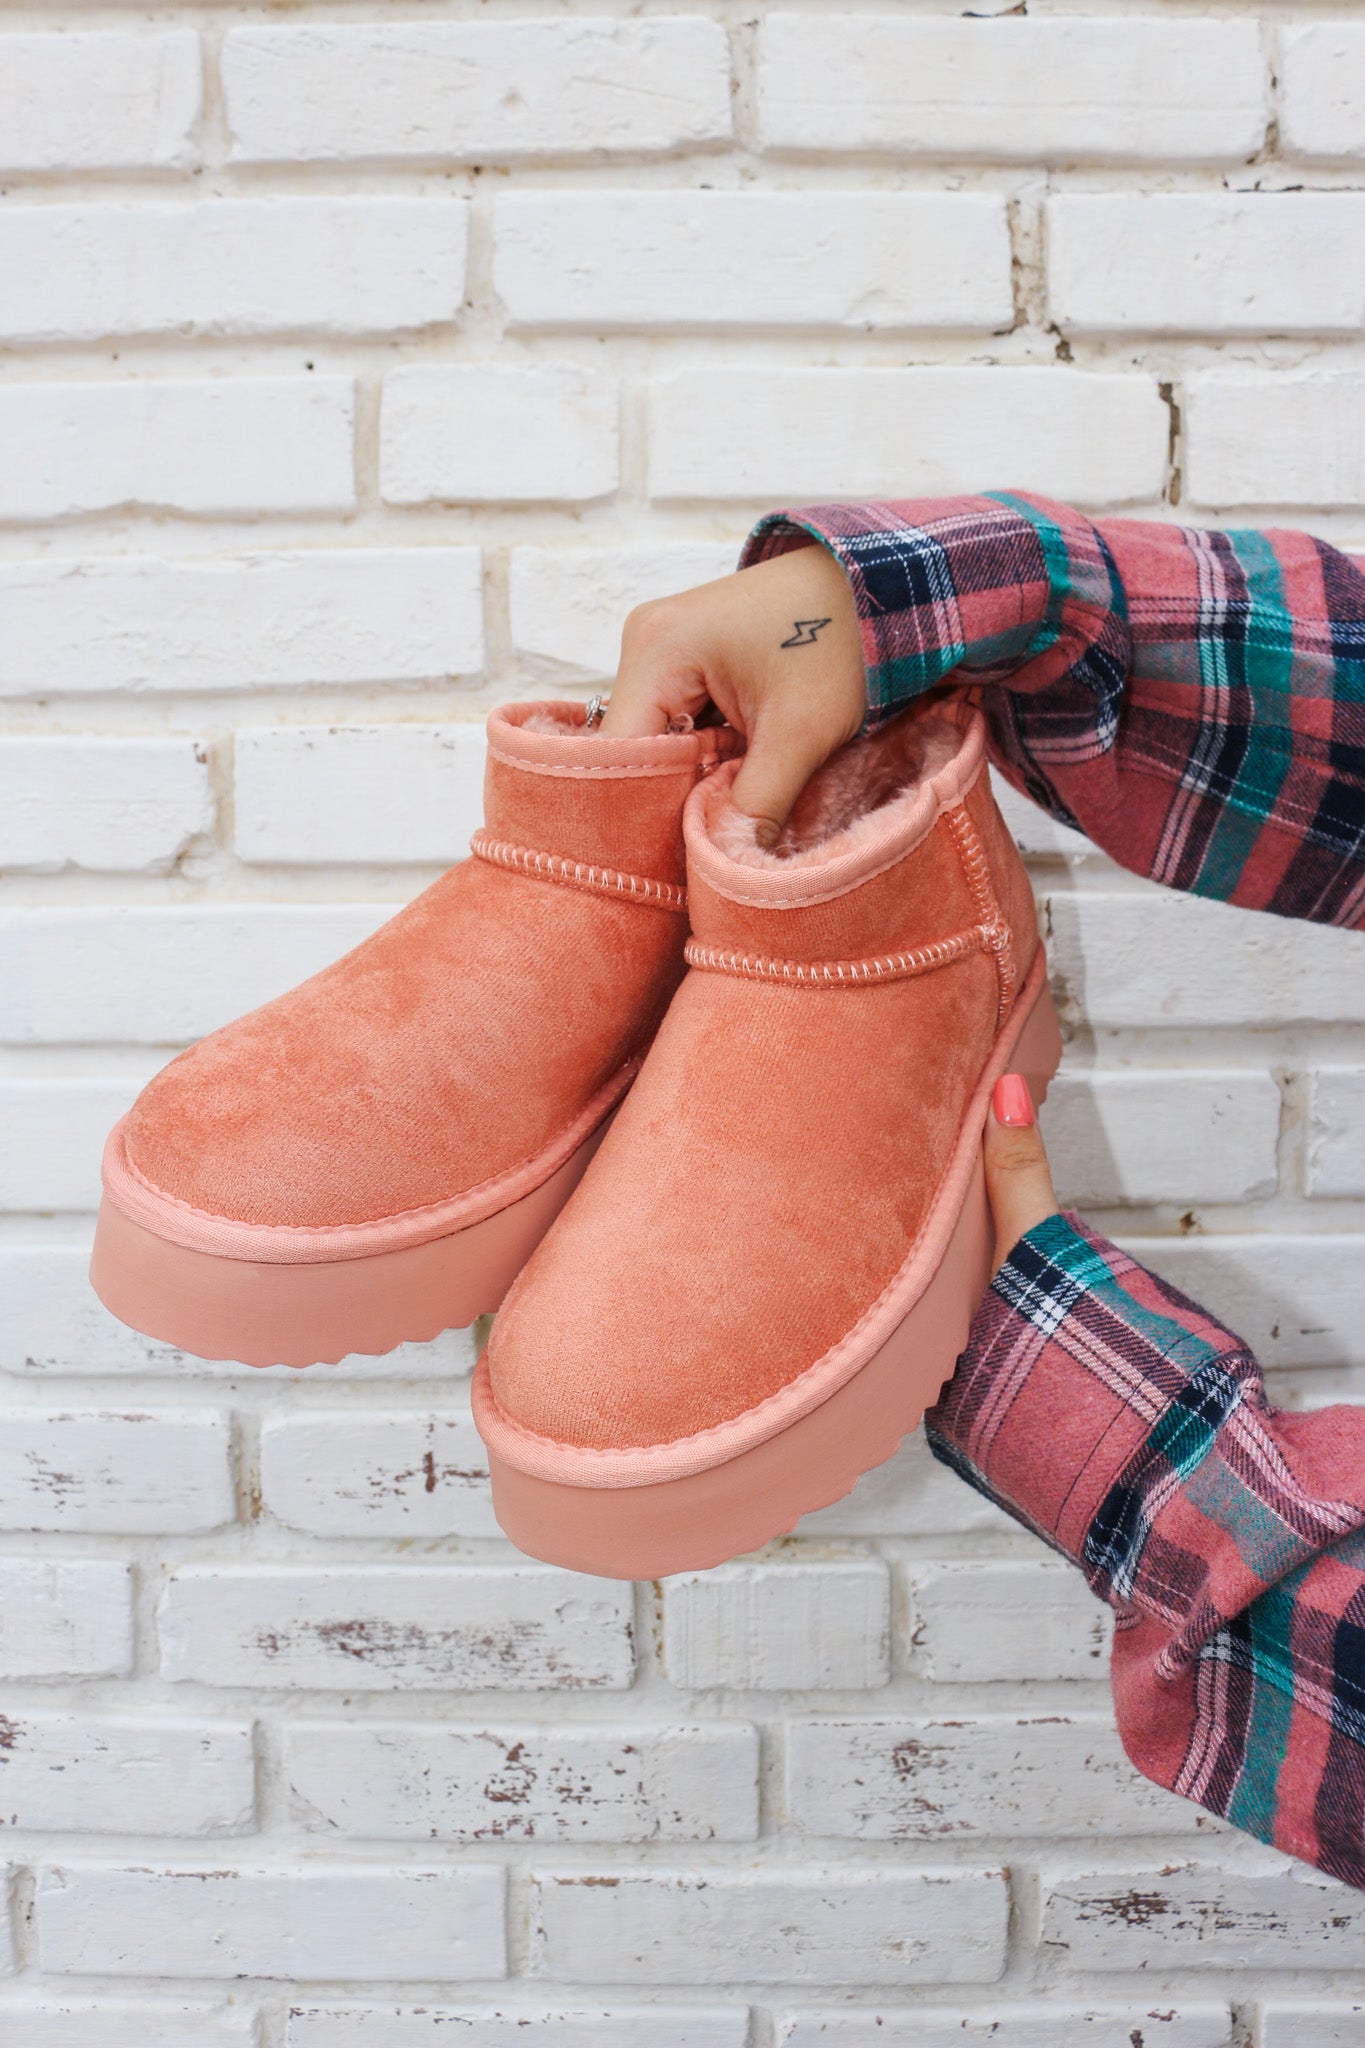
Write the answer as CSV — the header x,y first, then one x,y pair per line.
x,y
1018,1178
776,768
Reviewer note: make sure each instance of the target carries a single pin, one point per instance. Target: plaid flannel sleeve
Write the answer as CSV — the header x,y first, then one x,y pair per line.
x,y
1124,1425
1194,701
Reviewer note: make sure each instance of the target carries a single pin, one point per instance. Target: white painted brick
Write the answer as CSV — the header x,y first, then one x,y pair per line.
x,y
363,1922
228,445
485,2026
782,1926
115,1474
470,91
910,1495
1196,1916
161,975
114,1774
1336,1143
1163,1136
779,1627
1206,263
864,259
569,604
931,1779
1002,1619
1295,1300
97,100
404,1473
1311,2023
1289,440
54,1325
54,1134
1322,109
397,1628
389,1781
87,802
233,622
9,1957
1151,957
231,267
936,85
56,2022
497,432
310,795
1038,2024
793,434
65,1618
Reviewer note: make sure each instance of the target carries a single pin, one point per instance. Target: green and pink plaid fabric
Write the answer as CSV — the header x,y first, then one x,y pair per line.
x,y
1130,1430
1195,702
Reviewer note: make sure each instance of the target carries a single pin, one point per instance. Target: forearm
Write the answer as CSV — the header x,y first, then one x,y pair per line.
x,y
1130,1429
1193,701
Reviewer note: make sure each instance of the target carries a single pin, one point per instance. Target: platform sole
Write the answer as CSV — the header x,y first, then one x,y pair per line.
x,y
703,1518
262,1314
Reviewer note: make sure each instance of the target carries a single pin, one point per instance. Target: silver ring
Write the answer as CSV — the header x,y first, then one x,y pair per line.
x,y
592,714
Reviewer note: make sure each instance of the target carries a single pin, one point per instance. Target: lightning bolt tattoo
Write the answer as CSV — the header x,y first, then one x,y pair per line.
x,y
806,630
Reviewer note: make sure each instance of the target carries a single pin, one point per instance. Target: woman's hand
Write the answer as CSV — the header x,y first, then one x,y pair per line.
x,y
1018,1178
776,648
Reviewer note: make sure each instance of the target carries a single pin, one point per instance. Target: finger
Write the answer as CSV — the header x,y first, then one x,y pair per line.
x,y
659,677
780,762
1018,1178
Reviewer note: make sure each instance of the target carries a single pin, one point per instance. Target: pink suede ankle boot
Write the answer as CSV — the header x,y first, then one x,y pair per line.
x,y
371,1158
770,1268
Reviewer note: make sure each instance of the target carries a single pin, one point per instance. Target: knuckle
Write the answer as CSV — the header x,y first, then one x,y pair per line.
x,y
656,619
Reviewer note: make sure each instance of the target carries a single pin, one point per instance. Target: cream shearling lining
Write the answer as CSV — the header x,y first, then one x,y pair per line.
x,y
852,799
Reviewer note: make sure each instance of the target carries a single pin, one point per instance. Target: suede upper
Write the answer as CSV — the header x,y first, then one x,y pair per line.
x,y
775,1162
466,1034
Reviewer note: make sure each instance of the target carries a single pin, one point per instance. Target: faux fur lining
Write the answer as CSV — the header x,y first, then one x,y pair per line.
x,y
552,719
850,801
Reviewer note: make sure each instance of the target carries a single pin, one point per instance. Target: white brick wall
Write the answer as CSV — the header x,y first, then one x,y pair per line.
x,y
126,2023
492,432
752,259
1185,263
333,92
319,795
1034,2025
101,803
60,1620
1277,440
945,86
232,266
237,447
822,1925
365,1920
111,1774
100,101
386,1628
508,2026
1322,112
784,433
396,1781
1131,1918
360,369
274,619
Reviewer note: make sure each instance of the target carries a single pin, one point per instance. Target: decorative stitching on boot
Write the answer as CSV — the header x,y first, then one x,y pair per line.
x,y
577,874
841,973
996,935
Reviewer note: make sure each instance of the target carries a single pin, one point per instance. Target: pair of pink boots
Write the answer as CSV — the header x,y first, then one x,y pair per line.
x,y
703,1120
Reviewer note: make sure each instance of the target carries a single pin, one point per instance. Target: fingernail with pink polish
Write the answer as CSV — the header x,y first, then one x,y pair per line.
x,y
1011,1101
